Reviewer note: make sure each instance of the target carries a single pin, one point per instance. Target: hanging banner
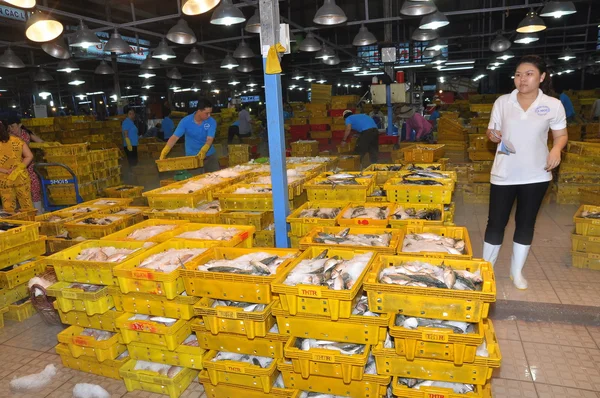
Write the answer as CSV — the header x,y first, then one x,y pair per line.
x,y
13,13
137,56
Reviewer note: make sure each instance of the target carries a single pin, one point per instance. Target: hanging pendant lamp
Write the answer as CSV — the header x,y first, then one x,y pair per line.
x,y
67,66
57,48
229,62
526,38
116,44
84,37
243,51
41,27
424,35
331,61
227,14
174,74
500,44
330,14
309,44
558,9
531,23
150,63
245,66
434,21
181,33
253,24
42,75
10,60
21,3
208,79
364,37
194,57
197,7
163,51
146,74
104,69
417,8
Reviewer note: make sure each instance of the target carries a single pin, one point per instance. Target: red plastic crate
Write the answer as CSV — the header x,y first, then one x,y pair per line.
x,y
336,112
338,134
296,129
388,139
322,142
319,127
302,135
336,142
254,149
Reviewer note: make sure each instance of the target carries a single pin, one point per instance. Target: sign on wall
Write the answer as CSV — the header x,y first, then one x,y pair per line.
x,y
13,13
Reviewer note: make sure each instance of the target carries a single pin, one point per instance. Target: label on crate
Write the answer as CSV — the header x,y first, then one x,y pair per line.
x,y
244,235
234,369
228,314
310,220
306,291
139,274
141,326
69,295
435,337
81,341
323,358
362,222
436,395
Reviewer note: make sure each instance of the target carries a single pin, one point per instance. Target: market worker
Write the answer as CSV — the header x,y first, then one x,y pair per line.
x,y
130,137
523,164
415,121
15,187
199,129
167,125
368,135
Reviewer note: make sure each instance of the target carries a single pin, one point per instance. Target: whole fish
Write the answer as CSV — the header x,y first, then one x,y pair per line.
x,y
590,214
170,260
457,388
415,323
211,233
362,308
99,221
263,362
86,287
419,182
248,307
260,264
415,167
4,226
107,254
424,174
151,231
378,193
428,242
159,368
156,319
324,212
98,335
422,274
375,213
343,348
367,240
410,213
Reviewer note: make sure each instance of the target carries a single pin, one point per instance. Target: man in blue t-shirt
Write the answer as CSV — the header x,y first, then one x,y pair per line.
x,y
569,108
130,137
167,125
368,135
199,129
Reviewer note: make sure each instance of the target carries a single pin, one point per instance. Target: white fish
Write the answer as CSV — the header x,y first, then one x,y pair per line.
x,y
170,260
211,233
262,362
98,335
151,231
259,263
343,348
248,307
161,369
106,254
428,242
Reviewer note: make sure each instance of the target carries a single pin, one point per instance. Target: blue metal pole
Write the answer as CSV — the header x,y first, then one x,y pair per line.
x,y
388,100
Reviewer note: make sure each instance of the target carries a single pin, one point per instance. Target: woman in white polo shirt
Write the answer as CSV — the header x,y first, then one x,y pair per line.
x,y
522,167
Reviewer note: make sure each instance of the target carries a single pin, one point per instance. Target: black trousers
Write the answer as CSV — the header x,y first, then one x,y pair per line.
x,y
132,156
233,131
368,142
529,198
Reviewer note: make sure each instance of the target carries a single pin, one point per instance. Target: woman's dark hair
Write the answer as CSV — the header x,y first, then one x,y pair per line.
x,y
4,135
540,64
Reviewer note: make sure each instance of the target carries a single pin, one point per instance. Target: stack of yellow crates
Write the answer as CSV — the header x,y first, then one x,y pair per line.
x,y
586,239
579,170
238,154
305,148
453,135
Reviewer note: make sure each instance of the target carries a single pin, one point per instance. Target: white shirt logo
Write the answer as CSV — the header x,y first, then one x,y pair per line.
x,y
206,126
542,110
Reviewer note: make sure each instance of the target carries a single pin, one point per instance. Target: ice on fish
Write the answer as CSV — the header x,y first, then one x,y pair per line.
x,y
410,213
415,323
422,274
207,207
156,319
170,260
211,233
259,263
342,348
86,287
429,242
248,307
149,232
371,367
98,335
159,368
345,238
333,272
253,190
262,362
362,307
324,212
128,212
374,213
194,185
457,388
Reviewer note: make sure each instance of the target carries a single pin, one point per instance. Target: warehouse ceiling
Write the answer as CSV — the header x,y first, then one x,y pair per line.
x,y
473,25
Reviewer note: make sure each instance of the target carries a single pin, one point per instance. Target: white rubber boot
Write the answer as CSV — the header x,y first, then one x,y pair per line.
x,y
39,207
490,252
519,256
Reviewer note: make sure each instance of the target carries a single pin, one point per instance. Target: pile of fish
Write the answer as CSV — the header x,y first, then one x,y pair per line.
x,y
4,226
334,272
408,181
429,242
104,202
362,308
263,362
312,159
159,368
231,172
260,263
421,274
413,167
371,367
342,348
98,335
388,167
128,212
415,323
211,233
378,192
99,221
345,238
253,190
590,214
191,341
410,213
149,232
54,218
248,307
86,287
192,186
326,213
107,254
156,319
125,188
340,179
9,267
170,260
458,388
425,174
207,207
293,175
373,213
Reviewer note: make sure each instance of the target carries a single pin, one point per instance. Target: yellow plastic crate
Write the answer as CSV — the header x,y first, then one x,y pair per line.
x,y
403,193
589,196
203,218
587,226
24,232
240,373
181,307
447,304
419,206
479,372
149,332
224,319
242,239
402,391
264,238
437,343
393,248
423,153
302,226
449,232
586,260
132,279
357,329
54,245
18,275
249,202
352,193
76,228
259,219
363,221
124,191
62,150
105,321
9,296
320,300
123,235
295,188
27,215
108,368
57,227
586,244
20,312
179,163
228,286
89,347
449,210
153,382
3,311
306,146
69,269
369,387
21,253
158,199
327,363
70,299
224,390
447,175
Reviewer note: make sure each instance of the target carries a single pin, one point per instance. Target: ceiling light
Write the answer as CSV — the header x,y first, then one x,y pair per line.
x,y
322,80
227,14
215,90
459,62
444,69
310,78
479,77
40,27
163,51
146,73
424,35
567,55
174,74
44,94
431,53
417,8
352,67
496,63
505,56
10,60
229,62
144,97
297,75
558,9
500,44
194,57
181,33
207,79
104,69
196,87
531,23
309,44
438,60
233,81
251,83
364,37
526,38
116,44
67,66
245,66
325,53
243,50
147,86
331,61
175,86
41,75
21,3
84,37
253,24
436,45
433,21
408,66
197,7
150,63
76,81
330,14
57,48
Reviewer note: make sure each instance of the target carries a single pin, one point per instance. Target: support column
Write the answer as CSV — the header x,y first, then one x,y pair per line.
x,y
390,109
117,85
269,20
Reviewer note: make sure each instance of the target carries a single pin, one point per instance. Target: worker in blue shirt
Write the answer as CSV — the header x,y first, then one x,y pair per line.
x,y
167,125
569,109
199,129
130,137
368,134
